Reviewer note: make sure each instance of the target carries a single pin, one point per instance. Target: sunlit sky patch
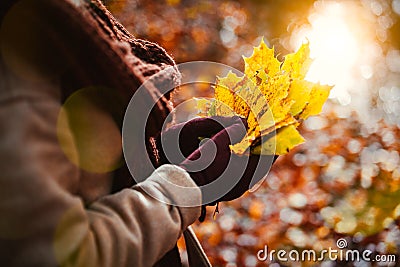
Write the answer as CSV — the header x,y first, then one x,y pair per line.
x,y
342,47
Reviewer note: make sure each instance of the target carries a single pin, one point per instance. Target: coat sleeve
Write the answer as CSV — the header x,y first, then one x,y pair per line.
x,y
44,222
134,227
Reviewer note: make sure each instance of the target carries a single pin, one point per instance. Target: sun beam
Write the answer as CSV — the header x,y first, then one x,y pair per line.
x,y
336,36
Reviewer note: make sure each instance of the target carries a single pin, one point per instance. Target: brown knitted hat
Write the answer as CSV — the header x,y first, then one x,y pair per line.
x,y
84,43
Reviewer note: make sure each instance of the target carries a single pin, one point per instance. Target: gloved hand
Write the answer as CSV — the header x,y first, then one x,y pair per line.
x,y
257,168
177,142
221,175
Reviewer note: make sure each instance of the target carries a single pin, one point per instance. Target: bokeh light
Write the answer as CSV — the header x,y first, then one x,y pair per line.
x,y
88,136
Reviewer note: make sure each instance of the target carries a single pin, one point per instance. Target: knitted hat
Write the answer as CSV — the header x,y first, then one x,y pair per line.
x,y
82,44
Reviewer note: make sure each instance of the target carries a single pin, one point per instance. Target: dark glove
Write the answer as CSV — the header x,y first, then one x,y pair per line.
x,y
257,168
176,143
222,175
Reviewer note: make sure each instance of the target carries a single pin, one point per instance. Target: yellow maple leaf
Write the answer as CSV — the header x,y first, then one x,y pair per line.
x,y
229,81
296,65
319,94
272,96
289,120
275,89
203,106
286,138
243,146
300,92
224,96
241,107
262,59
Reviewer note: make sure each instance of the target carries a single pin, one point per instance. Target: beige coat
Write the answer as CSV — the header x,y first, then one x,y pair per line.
x,y
56,206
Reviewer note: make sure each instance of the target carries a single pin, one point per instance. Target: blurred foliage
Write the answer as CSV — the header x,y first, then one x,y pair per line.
x,y
345,180
209,30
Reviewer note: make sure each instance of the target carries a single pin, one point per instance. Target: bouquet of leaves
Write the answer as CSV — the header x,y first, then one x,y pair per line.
x,y
273,96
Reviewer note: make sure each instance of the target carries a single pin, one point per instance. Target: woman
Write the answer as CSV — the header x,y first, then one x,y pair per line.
x,y
67,73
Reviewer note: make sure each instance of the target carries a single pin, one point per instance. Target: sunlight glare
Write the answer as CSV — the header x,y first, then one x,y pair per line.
x,y
335,47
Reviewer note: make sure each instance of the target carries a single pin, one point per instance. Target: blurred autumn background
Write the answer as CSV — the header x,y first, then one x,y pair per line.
x,y
344,182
